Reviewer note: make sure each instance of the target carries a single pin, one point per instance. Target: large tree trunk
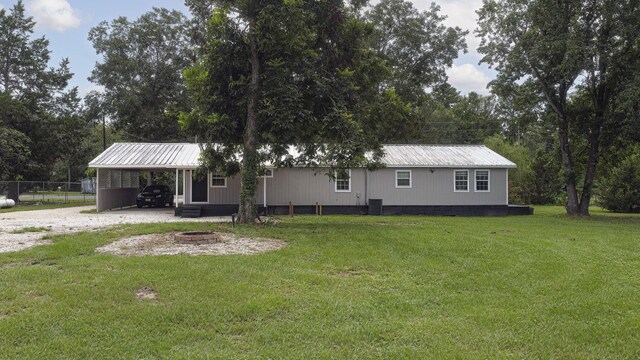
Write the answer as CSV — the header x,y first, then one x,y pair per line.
x,y
572,206
592,158
589,176
247,213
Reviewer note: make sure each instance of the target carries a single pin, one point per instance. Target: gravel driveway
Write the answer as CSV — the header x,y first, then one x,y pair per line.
x,y
70,220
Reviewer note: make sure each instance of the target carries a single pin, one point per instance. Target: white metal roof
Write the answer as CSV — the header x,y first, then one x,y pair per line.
x,y
148,156
447,156
179,156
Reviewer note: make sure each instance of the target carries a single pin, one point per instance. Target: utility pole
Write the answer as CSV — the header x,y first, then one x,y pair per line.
x,y
104,133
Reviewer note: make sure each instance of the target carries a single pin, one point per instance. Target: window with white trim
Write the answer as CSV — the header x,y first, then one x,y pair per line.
x,y
342,184
403,179
482,180
218,180
461,180
268,173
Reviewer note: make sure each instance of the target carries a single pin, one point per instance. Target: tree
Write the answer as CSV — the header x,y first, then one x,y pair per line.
x,y
475,118
557,47
30,93
141,72
415,45
14,153
276,73
521,178
70,131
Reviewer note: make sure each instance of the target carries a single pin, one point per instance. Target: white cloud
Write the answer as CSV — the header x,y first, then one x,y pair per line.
x,y
57,15
467,78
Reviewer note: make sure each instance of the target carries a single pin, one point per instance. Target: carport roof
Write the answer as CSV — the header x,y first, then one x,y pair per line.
x,y
148,156
186,156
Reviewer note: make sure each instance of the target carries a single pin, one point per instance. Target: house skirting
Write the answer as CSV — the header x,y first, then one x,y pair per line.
x,y
436,210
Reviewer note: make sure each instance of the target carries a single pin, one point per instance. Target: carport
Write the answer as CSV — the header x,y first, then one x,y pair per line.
x,y
118,170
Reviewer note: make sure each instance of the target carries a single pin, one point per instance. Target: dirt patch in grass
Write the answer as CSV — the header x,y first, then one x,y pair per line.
x,y
506,231
164,244
350,273
146,294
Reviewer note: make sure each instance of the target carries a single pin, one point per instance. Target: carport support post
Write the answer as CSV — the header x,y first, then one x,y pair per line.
x,y
98,190
149,175
175,198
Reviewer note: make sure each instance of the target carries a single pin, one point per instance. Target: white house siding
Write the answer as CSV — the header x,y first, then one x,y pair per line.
x,y
435,188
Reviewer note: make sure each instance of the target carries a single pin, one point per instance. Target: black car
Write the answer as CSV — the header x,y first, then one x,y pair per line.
x,y
155,195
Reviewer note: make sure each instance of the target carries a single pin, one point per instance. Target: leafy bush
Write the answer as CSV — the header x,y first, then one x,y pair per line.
x,y
546,181
537,178
520,179
620,189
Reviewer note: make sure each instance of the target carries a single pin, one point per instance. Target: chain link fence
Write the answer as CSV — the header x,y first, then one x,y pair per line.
x,y
49,192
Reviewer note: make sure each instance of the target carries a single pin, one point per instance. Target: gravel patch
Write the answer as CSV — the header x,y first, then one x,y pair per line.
x,y
70,220
164,244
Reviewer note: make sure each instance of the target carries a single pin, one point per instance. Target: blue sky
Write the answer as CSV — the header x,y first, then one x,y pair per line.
x,y
66,24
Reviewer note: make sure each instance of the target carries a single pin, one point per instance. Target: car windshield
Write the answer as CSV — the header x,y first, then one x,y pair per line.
x,y
156,189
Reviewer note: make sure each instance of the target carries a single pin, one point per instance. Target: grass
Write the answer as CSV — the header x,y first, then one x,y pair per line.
x,y
542,286
27,206
30,229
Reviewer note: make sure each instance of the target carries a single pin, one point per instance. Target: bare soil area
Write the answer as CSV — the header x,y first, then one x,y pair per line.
x,y
164,244
146,294
71,220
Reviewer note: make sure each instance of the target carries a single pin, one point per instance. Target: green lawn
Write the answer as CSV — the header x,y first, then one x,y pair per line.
x,y
542,286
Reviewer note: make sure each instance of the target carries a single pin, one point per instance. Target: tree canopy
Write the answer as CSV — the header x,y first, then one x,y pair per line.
x,y
277,73
557,48
415,45
34,101
141,72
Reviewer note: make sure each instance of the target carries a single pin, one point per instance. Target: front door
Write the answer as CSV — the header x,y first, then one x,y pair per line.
x,y
199,189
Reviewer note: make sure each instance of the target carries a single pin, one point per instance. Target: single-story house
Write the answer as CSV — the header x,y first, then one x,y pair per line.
x,y
417,179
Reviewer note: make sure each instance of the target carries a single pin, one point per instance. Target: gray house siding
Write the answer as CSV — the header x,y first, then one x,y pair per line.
x,y
303,186
228,195
217,196
117,188
187,187
436,188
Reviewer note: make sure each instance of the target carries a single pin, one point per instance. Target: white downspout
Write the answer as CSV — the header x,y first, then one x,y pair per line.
x,y
264,193
507,186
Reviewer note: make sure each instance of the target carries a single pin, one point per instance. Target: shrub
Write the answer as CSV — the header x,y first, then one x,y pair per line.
x,y
620,189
